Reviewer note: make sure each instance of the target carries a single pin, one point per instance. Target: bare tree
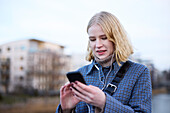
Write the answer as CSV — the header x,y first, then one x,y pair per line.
x,y
5,73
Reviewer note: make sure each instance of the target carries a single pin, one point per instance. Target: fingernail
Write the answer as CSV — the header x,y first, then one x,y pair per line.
x,y
70,88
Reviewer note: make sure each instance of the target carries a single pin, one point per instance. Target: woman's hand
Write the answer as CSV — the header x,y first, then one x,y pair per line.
x,y
67,98
89,94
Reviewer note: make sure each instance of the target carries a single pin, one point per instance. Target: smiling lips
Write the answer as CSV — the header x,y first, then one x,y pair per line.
x,y
100,52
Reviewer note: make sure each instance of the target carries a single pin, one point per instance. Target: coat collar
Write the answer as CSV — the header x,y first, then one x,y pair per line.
x,y
92,65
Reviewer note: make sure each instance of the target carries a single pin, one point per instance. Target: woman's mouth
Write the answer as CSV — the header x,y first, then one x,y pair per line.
x,y
101,52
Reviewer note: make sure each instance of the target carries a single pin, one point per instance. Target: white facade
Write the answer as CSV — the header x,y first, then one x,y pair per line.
x,y
18,53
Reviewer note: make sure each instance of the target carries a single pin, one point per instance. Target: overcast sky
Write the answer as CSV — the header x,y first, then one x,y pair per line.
x,y
64,22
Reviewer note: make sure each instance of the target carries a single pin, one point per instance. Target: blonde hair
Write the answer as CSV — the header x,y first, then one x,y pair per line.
x,y
115,33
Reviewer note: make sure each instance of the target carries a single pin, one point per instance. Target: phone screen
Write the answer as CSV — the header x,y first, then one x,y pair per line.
x,y
75,76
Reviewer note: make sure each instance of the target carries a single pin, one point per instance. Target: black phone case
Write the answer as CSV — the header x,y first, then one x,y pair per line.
x,y
75,76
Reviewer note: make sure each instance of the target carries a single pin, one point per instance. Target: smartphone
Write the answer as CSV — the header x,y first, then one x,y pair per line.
x,y
75,76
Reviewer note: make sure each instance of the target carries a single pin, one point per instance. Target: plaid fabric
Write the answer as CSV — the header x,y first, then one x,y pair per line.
x,y
134,92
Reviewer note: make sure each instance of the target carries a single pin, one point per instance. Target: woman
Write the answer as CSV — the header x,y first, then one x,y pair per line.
x,y
108,49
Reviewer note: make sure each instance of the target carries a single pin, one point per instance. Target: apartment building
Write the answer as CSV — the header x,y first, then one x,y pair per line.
x,y
33,64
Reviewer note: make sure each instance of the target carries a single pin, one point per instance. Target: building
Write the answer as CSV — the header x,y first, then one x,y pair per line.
x,y
33,64
4,74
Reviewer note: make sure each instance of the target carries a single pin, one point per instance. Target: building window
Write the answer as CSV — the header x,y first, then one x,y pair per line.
x,y
22,47
21,78
21,58
8,49
21,68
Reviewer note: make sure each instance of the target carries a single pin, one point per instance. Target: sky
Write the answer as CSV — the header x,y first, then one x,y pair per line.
x,y
64,22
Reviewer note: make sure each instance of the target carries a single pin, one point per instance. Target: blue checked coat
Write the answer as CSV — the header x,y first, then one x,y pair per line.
x,y
134,92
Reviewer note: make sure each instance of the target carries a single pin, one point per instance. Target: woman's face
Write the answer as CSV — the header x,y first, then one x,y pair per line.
x,y
99,43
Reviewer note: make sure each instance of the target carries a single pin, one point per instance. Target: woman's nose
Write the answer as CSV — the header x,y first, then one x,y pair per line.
x,y
98,43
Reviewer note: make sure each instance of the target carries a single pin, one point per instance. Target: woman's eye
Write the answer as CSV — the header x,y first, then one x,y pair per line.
x,y
92,39
104,38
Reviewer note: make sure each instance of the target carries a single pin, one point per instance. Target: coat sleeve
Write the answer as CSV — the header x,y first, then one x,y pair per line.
x,y
140,100
58,110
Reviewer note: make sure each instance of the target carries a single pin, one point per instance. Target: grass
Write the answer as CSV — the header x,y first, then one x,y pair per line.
x,y
11,99
27,104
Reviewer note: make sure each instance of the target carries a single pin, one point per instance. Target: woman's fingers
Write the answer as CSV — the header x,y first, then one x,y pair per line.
x,y
89,94
78,91
65,88
80,96
62,90
83,91
84,87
